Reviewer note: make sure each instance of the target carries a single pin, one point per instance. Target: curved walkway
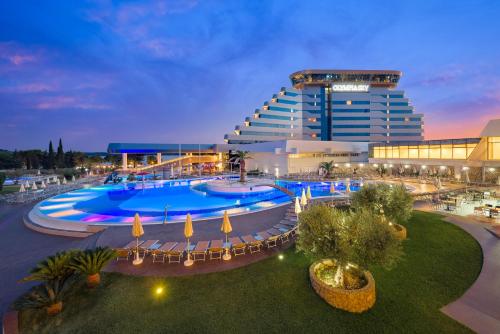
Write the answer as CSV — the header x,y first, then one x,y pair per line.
x,y
479,307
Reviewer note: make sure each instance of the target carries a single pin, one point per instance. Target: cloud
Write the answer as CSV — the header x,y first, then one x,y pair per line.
x,y
16,55
68,102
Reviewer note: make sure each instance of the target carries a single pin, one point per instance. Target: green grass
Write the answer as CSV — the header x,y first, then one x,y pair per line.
x,y
10,189
273,296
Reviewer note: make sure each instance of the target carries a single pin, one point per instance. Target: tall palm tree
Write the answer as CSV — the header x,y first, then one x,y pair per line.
x,y
327,166
91,262
239,158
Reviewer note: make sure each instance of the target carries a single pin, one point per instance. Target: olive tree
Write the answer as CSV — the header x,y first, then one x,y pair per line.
x,y
350,238
395,201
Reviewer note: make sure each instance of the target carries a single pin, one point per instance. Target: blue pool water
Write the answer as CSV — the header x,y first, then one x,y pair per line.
x,y
118,203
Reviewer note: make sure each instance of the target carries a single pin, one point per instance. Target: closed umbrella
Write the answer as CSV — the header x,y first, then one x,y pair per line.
x,y
73,179
27,184
226,228
308,194
137,232
42,185
22,189
58,182
332,188
165,216
34,186
298,209
64,181
171,170
347,186
303,198
188,233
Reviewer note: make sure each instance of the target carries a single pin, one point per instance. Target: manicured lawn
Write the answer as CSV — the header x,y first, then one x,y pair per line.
x,y
274,296
10,189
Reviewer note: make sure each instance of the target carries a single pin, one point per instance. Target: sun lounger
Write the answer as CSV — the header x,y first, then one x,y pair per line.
x,y
254,245
273,231
160,254
146,246
272,241
263,235
285,237
282,228
216,249
122,254
288,223
175,254
237,245
132,244
200,251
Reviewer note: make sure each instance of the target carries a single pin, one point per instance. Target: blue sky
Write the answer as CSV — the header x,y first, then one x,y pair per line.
x,y
94,72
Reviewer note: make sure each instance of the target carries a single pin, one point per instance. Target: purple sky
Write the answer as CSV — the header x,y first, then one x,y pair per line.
x,y
94,72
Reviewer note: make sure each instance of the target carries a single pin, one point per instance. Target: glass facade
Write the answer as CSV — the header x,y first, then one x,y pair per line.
x,y
493,148
453,149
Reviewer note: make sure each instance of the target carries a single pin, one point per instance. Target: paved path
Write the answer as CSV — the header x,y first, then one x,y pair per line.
x,y
479,307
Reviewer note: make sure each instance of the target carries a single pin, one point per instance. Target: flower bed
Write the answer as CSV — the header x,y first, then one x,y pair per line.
x,y
354,300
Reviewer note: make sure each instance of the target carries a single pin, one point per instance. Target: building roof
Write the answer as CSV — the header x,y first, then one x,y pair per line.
x,y
316,71
492,129
148,148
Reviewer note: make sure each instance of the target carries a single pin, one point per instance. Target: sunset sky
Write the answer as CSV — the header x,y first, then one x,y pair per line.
x,y
94,72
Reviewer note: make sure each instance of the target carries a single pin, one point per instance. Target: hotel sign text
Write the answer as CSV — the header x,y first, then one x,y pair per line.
x,y
350,88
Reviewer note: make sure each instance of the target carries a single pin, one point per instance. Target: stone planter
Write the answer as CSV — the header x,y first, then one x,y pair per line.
x,y
400,231
355,301
54,308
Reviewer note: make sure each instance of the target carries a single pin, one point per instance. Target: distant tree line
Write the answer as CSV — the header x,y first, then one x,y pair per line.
x,y
50,159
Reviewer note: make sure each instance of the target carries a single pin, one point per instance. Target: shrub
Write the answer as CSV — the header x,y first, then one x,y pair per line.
x,y
91,261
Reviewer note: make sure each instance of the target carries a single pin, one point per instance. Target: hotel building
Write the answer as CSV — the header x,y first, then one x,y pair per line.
x,y
334,105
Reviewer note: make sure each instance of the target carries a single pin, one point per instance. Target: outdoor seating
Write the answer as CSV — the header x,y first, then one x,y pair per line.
x,y
238,246
263,236
175,254
254,245
216,249
200,251
272,241
285,237
122,254
160,254
273,231
133,244
147,246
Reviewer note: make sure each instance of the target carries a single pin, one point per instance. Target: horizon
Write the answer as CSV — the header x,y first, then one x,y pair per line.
x,y
136,72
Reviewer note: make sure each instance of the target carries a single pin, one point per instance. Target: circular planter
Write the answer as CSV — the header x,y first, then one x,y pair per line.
x,y
93,280
355,301
400,231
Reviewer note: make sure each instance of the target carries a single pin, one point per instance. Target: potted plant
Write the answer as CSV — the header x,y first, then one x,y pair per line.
x,y
54,273
90,262
344,245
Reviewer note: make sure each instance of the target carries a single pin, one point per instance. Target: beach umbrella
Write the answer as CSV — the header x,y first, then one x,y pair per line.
x,y
137,232
303,198
226,228
165,215
38,172
332,188
171,170
347,186
27,184
64,181
188,233
308,193
42,185
34,186
22,189
73,179
298,209
58,182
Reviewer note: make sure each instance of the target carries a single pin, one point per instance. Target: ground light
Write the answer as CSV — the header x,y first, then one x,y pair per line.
x,y
281,257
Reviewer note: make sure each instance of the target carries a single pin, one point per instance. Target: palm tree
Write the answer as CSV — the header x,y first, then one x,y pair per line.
x,y
54,272
327,166
91,262
239,158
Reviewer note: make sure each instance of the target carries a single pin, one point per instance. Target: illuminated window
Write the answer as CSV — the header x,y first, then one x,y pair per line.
x,y
435,152
447,151
413,152
493,148
459,152
311,119
403,152
348,102
423,152
313,135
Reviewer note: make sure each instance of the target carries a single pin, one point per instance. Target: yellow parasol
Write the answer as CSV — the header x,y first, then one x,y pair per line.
x,y
226,228
308,193
303,198
332,188
188,233
137,232
298,209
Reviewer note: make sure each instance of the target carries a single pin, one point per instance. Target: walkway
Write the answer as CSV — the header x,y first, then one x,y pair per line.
x,y
479,307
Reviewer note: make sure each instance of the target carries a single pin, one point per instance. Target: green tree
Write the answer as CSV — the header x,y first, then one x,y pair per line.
x,y
51,158
60,155
350,238
328,167
239,159
395,201
91,261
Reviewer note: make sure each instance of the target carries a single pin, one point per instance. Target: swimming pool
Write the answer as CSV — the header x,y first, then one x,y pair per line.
x,y
118,203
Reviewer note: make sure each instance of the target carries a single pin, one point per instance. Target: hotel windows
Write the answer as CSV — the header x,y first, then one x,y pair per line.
x,y
493,148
